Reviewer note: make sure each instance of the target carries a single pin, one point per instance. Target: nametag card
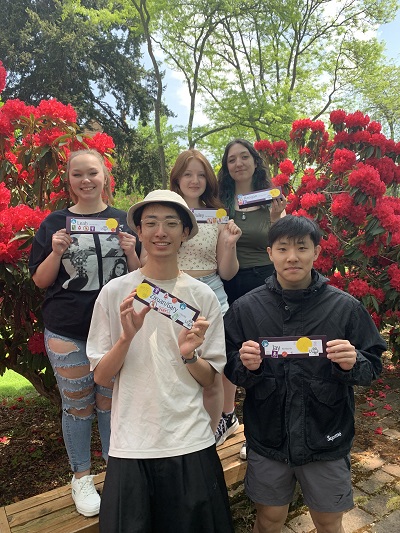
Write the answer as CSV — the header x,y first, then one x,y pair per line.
x,y
293,347
211,216
264,196
166,304
92,225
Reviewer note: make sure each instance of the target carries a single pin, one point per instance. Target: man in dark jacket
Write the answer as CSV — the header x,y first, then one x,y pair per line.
x,y
299,406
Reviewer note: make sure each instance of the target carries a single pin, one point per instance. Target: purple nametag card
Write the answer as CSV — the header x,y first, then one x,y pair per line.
x,y
264,196
293,347
80,224
166,304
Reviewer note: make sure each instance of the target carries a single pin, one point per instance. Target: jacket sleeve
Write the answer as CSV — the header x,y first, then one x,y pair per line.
x,y
234,338
364,336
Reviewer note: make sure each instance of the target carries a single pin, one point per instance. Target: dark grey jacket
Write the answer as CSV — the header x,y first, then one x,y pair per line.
x,y
301,410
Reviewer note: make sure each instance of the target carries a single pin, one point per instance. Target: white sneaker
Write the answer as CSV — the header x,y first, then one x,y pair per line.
x,y
85,496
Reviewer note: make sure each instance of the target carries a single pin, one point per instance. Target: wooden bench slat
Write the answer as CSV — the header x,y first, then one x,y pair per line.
x,y
54,511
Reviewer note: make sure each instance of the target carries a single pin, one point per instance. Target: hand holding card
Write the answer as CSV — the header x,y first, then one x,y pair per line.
x,y
190,340
166,304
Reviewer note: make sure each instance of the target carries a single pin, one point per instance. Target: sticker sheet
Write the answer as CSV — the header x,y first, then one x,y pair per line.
x,y
92,225
293,347
166,304
210,216
264,196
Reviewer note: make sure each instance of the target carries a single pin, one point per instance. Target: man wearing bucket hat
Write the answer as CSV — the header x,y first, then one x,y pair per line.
x,y
163,473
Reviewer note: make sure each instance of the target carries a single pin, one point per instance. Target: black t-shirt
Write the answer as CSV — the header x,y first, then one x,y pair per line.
x,y
88,264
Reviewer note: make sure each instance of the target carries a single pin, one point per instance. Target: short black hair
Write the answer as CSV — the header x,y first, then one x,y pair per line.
x,y
184,217
294,227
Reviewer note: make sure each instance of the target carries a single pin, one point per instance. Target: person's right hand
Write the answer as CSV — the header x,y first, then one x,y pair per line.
x,y
250,355
131,320
60,241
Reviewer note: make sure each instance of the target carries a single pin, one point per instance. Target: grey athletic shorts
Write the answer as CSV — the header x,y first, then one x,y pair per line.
x,y
326,485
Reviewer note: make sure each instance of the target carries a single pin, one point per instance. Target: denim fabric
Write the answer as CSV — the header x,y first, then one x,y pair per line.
x,y
215,283
77,430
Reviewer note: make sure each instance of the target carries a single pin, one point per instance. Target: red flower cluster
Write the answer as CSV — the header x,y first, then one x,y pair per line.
x,y
309,200
3,76
356,120
343,206
274,150
287,167
36,344
343,160
394,276
367,179
338,116
280,179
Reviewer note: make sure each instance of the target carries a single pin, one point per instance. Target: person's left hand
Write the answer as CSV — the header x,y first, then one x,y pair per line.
x,y
278,205
190,339
341,352
231,232
127,243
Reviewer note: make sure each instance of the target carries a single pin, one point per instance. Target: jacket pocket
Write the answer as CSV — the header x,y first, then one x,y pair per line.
x,y
329,416
263,413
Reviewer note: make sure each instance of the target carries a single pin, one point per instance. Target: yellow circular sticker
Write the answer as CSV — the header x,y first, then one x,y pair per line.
x,y
274,193
303,344
111,223
220,213
144,290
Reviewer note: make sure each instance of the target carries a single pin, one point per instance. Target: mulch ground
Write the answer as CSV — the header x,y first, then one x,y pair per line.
x,y
33,458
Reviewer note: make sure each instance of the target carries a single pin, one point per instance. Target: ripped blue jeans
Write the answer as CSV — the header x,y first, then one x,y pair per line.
x,y
81,399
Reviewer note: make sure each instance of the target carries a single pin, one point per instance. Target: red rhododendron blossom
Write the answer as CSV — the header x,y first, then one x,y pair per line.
x,y
101,142
356,120
374,127
264,145
55,109
317,125
343,160
338,116
36,344
359,137
370,250
343,207
15,109
280,148
324,263
358,288
304,151
286,167
377,319
310,200
337,280
3,76
342,137
394,276
5,196
367,179
302,213
280,179
292,203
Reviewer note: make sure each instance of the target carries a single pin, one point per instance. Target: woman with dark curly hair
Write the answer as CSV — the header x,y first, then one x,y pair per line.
x,y
242,172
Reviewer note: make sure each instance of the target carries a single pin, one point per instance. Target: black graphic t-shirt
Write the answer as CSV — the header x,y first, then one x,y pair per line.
x,y
89,263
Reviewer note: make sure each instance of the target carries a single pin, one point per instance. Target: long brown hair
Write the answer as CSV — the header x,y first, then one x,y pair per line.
x,y
210,196
107,193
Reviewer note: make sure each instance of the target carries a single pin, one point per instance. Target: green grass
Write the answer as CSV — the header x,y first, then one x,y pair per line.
x,y
13,385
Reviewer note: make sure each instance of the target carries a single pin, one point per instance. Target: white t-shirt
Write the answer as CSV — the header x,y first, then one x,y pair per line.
x,y
157,406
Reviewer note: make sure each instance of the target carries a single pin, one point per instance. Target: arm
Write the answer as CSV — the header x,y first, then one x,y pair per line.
x,y
188,341
131,321
128,245
227,262
46,273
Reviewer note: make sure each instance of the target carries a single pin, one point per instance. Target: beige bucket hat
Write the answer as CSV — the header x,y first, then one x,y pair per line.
x,y
165,196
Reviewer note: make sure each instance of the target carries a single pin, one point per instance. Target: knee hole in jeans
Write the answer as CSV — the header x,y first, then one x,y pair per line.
x,y
78,394
73,372
81,413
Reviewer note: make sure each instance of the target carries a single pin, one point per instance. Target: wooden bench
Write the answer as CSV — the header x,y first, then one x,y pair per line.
x,y
54,511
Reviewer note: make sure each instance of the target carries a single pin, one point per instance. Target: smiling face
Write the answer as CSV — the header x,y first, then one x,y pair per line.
x,y
193,182
293,260
241,164
161,231
86,178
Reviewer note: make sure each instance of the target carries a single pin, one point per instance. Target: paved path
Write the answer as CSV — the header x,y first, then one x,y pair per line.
x,y
376,481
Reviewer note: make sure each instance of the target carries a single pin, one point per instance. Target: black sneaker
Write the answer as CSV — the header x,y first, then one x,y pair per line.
x,y
227,425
